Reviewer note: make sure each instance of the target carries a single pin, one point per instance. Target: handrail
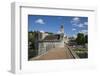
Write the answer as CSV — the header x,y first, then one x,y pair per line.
x,y
72,52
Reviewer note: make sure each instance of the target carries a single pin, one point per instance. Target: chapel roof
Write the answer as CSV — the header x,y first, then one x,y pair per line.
x,y
52,37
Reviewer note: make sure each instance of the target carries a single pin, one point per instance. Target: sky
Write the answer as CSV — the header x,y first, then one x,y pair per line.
x,y
47,23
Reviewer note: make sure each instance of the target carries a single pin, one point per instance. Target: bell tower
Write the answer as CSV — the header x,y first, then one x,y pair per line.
x,y
62,29
61,32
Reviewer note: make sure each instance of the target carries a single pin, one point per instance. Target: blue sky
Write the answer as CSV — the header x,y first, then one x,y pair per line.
x,y
72,24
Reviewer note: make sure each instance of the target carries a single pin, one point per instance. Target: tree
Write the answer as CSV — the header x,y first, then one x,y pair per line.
x,y
80,39
31,38
86,38
32,51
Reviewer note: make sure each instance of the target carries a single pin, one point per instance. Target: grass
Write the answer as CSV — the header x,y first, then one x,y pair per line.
x,y
81,52
80,49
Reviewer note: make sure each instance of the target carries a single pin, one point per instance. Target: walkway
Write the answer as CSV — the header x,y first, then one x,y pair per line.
x,y
55,53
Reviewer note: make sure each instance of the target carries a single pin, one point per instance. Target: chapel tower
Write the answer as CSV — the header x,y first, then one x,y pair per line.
x,y
61,32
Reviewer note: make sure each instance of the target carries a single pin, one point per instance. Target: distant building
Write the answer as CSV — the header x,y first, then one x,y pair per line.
x,y
46,41
72,41
66,40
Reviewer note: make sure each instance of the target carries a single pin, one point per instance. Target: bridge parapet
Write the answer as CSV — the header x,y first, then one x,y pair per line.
x,y
72,52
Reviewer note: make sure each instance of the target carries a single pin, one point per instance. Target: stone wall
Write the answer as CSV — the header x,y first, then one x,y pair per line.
x,y
46,46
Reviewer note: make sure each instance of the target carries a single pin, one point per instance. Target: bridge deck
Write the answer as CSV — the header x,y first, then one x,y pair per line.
x,y
55,53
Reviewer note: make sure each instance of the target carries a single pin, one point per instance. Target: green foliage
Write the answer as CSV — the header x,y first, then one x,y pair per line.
x,y
81,52
50,33
86,38
80,49
82,55
81,39
31,38
32,51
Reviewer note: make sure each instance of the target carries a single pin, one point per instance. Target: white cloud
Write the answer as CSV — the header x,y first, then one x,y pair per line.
x,y
85,23
42,31
75,20
80,25
75,36
58,32
84,31
40,21
73,29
